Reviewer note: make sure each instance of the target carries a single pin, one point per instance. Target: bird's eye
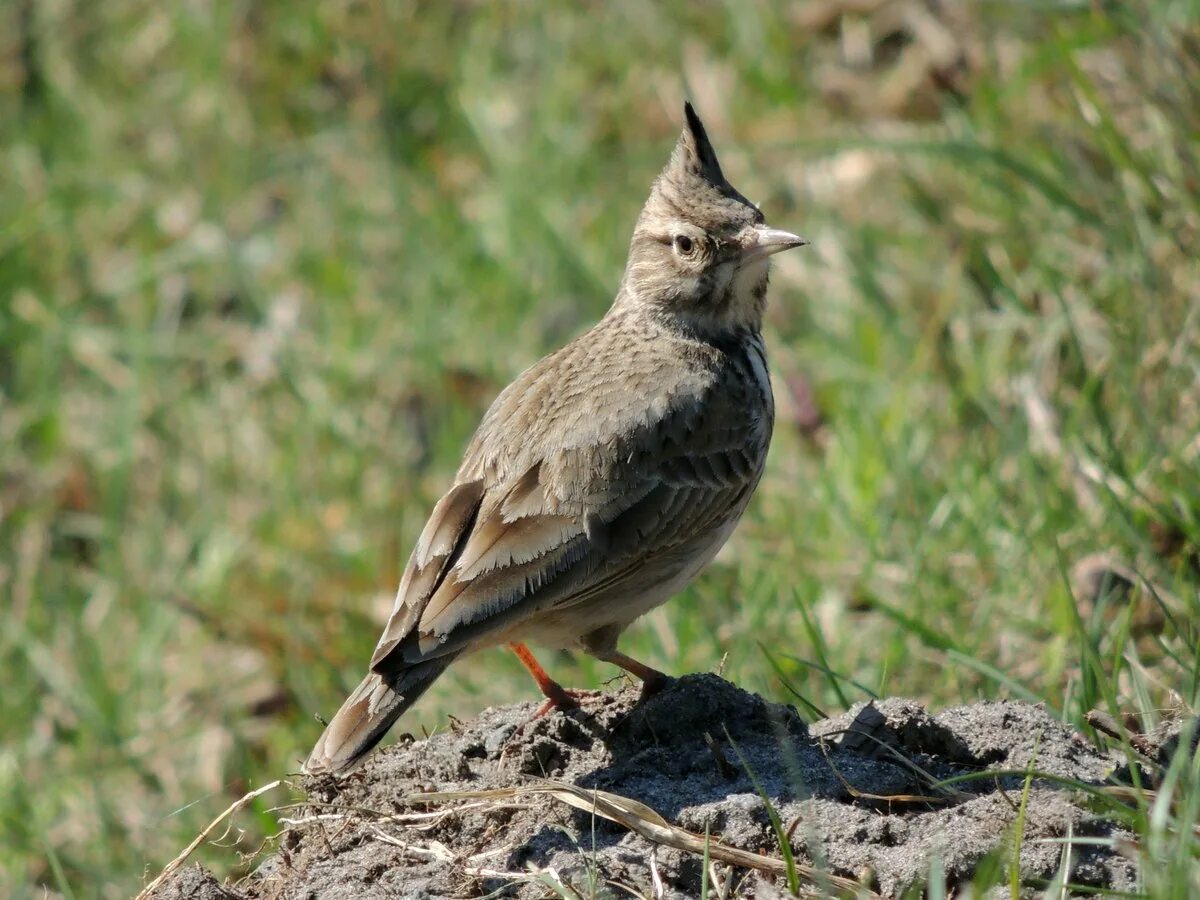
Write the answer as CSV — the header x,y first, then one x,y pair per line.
x,y
684,245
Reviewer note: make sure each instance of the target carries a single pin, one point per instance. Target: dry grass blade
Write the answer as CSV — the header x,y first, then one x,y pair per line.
x,y
949,794
641,819
178,861
435,851
1129,794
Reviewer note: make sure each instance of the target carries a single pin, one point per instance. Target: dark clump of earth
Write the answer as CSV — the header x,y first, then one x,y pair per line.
x,y
860,797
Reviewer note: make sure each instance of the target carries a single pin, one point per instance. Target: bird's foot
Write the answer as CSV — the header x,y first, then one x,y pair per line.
x,y
562,698
656,683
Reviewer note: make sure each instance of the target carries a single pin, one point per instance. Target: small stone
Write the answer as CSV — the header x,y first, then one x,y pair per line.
x,y
494,740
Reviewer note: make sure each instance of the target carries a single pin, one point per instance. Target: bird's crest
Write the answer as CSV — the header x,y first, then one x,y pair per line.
x,y
694,155
692,184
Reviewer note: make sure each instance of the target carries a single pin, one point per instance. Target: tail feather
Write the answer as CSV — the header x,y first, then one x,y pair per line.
x,y
367,714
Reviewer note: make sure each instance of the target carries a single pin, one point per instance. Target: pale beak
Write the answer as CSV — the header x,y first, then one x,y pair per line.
x,y
759,241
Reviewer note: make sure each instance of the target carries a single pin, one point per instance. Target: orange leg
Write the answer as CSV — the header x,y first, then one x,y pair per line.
x,y
556,695
653,680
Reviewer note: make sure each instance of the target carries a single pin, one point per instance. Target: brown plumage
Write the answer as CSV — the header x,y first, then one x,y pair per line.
x,y
606,476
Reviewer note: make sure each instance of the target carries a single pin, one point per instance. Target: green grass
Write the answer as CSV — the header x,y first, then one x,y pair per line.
x,y
262,267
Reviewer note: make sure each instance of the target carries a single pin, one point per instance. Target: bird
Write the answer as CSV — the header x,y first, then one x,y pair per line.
x,y
607,475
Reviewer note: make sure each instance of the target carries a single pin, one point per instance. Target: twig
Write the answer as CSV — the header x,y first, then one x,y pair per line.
x,y
178,861
655,878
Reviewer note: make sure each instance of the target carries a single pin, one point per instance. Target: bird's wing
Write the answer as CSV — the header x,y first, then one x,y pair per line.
x,y
567,526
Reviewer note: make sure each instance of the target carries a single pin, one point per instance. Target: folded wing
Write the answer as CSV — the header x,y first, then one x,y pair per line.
x,y
494,553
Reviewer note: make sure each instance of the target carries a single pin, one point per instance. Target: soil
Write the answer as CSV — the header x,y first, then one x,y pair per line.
x,y
862,796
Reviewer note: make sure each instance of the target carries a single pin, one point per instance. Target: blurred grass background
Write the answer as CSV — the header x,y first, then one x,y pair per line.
x,y
263,265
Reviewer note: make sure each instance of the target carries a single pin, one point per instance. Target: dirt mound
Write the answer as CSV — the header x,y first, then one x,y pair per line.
x,y
861,804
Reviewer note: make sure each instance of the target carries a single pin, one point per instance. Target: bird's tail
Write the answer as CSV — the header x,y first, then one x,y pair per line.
x,y
367,714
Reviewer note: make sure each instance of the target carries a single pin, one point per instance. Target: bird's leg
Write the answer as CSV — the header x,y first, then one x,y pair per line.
x,y
557,696
653,680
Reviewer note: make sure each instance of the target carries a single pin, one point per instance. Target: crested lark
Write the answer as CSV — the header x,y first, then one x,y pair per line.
x,y
606,476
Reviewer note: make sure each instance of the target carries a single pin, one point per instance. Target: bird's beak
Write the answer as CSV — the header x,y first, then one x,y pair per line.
x,y
759,241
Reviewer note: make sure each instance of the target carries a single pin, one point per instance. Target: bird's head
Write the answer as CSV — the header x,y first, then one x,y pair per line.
x,y
700,251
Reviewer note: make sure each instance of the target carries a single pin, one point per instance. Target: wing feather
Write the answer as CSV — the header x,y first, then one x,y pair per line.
x,y
452,519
